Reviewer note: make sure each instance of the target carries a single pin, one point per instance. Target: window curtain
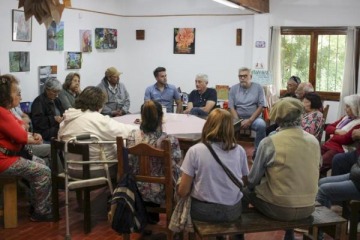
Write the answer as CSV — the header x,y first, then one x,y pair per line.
x,y
275,64
349,69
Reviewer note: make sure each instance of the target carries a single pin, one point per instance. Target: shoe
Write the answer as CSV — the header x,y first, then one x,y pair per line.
x,y
42,218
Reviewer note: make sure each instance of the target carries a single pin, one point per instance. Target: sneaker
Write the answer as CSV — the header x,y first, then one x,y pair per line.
x,y
42,218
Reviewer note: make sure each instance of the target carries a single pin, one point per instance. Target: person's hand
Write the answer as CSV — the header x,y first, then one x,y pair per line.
x,y
356,134
116,113
186,111
246,123
34,138
59,119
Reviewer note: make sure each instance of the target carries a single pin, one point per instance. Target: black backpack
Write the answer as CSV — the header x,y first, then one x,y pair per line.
x,y
128,212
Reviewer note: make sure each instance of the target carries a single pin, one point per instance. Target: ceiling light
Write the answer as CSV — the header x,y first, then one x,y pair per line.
x,y
229,4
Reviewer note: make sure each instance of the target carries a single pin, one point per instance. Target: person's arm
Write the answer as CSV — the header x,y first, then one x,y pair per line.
x,y
356,134
209,106
345,139
264,158
185,185
13,127
247,122
64,99
188,108
330,129
126,106
147,95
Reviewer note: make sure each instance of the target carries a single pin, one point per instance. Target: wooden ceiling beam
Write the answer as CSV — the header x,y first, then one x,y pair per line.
x,y
259,6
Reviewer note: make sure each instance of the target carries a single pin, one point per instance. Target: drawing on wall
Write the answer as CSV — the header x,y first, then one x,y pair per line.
x,y
21,29
19,61
260,44
184,40
55,36
85,41
105,38
46,72
73,60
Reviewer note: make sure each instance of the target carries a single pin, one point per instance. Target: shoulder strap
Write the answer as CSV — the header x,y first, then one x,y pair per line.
x,y
227,171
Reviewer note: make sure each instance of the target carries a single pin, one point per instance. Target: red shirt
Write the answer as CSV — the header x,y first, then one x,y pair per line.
x,y
336,142
12,136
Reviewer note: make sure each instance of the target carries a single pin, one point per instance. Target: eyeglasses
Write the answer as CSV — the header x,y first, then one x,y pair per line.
x,y
243,76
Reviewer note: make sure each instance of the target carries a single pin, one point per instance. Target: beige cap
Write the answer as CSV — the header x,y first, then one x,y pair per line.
x,y
112,71
286,109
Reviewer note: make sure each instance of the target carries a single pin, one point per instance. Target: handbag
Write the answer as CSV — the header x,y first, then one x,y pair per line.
x,y
227,171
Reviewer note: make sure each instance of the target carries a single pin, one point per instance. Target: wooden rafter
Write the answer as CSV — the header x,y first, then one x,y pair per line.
x,y
259,6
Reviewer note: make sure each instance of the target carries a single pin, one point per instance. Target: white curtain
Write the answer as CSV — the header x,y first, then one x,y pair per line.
x,y
275,63
348,87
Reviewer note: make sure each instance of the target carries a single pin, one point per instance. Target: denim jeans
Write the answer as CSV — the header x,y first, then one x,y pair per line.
x,y
259,126
336,189
342,163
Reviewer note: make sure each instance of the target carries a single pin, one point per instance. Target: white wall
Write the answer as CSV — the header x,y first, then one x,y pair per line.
x,y
216,53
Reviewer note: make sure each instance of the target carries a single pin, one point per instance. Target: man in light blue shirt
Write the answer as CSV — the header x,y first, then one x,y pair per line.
x,y
163,92
246,101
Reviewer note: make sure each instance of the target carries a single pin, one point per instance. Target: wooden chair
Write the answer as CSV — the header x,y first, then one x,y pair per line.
x,y
82,186
351,210
144,152
9,192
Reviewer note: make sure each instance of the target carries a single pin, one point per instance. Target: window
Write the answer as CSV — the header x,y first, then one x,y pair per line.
x,y
316,55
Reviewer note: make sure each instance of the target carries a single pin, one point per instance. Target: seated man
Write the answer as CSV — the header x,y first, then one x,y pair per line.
x,y
118,100
282,183
246,101
291,86
163,93
203,99
302,89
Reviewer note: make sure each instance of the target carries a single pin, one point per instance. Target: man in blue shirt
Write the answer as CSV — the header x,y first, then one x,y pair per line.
x,y
203,99
246,101
163,92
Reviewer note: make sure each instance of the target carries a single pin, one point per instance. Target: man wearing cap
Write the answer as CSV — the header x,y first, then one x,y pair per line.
x,y
283,181
163,92
246,101
291,86
118,101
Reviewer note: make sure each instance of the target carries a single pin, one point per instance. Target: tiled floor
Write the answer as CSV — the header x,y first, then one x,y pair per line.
x,y
101,229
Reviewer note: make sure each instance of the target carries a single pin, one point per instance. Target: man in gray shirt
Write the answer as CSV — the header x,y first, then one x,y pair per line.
x,y
246,101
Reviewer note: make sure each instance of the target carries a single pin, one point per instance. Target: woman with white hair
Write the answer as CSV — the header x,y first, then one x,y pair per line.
x,y
340,133
47,110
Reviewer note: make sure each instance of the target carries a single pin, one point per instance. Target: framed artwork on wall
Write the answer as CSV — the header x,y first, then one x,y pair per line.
x,y
19,61
184,40
73,60
85,41
55,36
105,38
21,29
46,72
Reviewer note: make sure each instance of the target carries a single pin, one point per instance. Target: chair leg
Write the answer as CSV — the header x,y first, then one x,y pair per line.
x,y
87,211
354,219
55,197
10,204
79,198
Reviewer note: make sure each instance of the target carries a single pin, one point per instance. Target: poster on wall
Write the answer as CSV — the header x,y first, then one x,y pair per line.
x,y
85,41
184,40
21,29
19,61
73,60
263,77
55,36
46,72
105,38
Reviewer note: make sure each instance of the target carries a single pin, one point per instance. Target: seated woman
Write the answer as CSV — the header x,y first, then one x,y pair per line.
x,y
341,132
151,132
70,91
13,137
215,198
47,110
282,183
312,119
86,118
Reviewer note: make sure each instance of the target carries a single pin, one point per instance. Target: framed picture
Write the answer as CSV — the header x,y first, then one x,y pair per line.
x,y
19,61
55,36
73,60
21,29
184,40
85,41
105,38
